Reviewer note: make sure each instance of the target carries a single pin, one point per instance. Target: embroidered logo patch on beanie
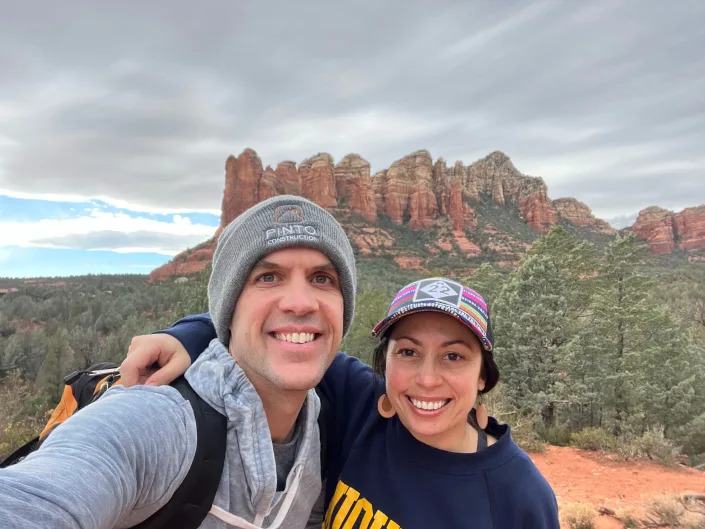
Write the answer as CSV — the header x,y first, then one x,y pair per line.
x,y
290,226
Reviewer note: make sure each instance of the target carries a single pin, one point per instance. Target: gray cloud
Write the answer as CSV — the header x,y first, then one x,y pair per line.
x,y
144,102
169,244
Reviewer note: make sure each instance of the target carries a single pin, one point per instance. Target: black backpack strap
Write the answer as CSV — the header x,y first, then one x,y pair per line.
x,y
22,452
191,502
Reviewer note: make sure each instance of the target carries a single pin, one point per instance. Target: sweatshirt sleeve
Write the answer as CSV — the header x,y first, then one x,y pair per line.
x,y
194,332
106,466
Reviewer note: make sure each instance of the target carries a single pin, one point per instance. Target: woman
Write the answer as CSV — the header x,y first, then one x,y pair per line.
x,y
402,452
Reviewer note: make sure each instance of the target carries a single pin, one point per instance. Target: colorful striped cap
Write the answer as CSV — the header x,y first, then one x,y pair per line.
x,y
439,294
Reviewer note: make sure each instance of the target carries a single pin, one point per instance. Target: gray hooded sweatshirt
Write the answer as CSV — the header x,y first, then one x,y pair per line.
x,y
120,459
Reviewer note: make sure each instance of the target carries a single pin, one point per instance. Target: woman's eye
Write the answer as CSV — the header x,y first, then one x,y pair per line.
x,y
406,352
454,357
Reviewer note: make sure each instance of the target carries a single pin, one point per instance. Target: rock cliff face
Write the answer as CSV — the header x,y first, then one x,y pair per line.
x,y
414,191
186,263
663,230
496,175
580,214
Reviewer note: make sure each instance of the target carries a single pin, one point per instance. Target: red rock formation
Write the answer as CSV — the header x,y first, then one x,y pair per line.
x,y
268,185
663,229
468,248
186,263
580,214
440,185
690,228
495,174
354,186
461,214
317,182
413,191
655,226
288,177
538,212
407,191
242,176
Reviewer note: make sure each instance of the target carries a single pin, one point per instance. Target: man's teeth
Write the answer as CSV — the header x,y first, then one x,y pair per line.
x,y
296,337
426,405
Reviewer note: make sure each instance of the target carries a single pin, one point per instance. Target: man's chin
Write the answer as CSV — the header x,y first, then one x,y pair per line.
x,y
298,379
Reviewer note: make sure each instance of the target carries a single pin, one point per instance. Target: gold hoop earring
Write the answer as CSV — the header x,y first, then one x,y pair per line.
x,y
481,416
385,408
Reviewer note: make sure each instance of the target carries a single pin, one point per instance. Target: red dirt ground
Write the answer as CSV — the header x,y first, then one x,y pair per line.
x,y
579,476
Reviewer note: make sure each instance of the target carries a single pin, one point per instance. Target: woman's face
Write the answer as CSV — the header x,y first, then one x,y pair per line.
x,y
433,376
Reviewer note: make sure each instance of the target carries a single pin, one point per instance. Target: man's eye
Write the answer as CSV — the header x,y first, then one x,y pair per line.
x,y
266,278
322,279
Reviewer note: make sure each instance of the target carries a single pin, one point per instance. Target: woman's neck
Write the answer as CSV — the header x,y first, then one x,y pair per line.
x,y
462,441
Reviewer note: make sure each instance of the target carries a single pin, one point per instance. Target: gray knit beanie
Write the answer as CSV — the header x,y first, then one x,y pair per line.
x,y
277,223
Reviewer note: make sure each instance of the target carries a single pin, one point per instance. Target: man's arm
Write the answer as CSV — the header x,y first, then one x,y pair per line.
x,y
104,467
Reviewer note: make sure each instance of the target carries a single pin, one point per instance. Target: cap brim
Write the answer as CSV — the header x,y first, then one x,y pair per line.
x,y
387,322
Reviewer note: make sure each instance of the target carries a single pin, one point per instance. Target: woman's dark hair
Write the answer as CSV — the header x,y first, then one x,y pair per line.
x,y
489,370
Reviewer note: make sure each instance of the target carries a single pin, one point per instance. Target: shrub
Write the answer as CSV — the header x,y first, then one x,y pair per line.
x,y
665,511
593,439
578,516
654,445
554,435
525,436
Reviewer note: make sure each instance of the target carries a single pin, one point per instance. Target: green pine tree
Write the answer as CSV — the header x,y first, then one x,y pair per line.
x,y
538,315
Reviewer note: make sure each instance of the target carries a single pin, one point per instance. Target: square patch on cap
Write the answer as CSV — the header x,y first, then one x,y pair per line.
x,y
439,290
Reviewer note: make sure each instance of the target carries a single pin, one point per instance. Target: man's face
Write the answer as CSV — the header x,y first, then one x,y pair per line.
x,y
288,321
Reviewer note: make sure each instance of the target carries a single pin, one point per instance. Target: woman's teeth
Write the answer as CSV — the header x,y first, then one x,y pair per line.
x,y
296,337
426,405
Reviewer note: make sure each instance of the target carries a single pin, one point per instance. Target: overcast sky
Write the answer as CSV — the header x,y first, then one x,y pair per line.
x,y
136,105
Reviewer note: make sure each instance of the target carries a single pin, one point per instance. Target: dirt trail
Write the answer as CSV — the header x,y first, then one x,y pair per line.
x,y
597,478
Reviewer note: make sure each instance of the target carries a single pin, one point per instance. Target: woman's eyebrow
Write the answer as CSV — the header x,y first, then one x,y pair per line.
x,y
408,338
453,342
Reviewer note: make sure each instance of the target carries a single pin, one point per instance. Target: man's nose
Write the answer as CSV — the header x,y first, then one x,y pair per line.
x,y
299,297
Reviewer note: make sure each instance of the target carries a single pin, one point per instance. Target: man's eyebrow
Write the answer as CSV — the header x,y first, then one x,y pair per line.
x,y
263,264
328,267
266,265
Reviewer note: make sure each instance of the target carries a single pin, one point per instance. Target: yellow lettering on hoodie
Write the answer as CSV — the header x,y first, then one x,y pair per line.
x,y
340,489
354,512
351,496
360,505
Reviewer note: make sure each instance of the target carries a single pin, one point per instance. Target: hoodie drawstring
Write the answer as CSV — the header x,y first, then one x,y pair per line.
x,y
238,521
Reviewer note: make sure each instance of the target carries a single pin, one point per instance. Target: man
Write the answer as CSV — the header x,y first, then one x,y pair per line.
x,y
281,296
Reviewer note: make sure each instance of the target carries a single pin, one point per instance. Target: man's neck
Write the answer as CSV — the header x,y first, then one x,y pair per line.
x,y
282,410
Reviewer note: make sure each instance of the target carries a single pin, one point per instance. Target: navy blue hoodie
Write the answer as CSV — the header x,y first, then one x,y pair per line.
x,y
379,476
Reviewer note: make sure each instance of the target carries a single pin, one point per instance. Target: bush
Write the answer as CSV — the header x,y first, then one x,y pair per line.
x,y
665,511
554,435
578,516
525,436
593,439
654,445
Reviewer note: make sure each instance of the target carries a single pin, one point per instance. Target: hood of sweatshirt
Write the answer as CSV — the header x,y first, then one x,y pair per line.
x,y
248,485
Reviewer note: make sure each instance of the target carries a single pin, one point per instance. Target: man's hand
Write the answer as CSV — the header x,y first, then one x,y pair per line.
x,y
149,349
